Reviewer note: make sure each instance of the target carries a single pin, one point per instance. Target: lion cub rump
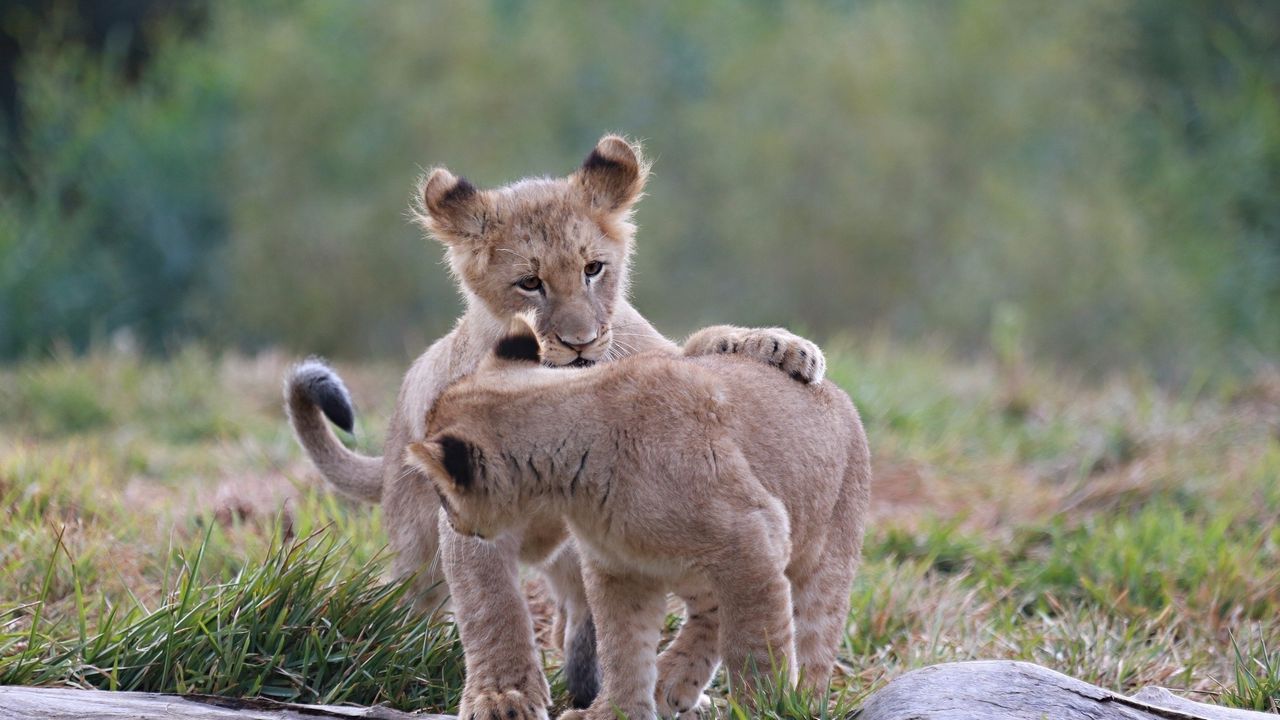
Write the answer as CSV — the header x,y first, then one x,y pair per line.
x,y
706,475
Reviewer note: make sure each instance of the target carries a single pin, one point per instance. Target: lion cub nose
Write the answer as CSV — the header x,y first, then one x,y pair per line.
x,y
578,342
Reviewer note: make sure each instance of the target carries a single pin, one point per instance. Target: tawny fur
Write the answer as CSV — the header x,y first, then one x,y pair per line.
x,y
714,476
548,228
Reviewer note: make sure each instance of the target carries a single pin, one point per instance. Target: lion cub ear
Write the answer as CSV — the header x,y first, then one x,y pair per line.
x,y
520,344
448,461
613,175
451,208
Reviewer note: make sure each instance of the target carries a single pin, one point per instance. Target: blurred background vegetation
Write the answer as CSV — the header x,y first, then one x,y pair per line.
x,y
1097,180
1081,199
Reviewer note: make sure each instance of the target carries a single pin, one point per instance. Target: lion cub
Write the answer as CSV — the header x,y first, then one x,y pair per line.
x,y
709,473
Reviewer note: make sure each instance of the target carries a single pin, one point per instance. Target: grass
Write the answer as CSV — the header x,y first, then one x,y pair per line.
x,y
162,531
307,625
1257,679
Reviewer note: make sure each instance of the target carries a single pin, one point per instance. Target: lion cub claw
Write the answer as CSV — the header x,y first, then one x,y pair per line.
x,y
502,705
678,702
792,354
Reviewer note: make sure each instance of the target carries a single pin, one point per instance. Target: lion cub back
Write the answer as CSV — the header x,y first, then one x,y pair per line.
x,y
799,439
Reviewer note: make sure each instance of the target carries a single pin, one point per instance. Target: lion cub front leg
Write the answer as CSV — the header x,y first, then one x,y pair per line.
x,y
504,675
792,354
628,613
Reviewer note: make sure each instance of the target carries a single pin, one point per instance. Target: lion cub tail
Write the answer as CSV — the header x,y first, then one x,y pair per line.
x,y
312,392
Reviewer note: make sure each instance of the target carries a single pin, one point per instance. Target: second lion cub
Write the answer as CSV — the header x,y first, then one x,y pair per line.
x,y
709,474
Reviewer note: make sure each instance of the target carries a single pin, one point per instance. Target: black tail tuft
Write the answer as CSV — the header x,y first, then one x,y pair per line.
x,y
324,388
581,669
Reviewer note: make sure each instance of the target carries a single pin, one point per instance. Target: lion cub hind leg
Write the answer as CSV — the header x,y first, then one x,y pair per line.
x,y
757,632
578,641
757,637
686,666
411,518
822,597
821,615
628,612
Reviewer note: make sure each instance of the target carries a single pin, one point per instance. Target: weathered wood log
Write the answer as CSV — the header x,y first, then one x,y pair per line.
x,y
1163,698
26,703
1007,690
984,690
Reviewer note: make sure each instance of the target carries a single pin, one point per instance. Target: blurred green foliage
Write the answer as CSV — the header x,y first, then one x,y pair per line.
x,y
1107,172
112,214
179,397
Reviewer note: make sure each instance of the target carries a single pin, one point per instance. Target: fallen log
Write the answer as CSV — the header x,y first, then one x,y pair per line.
x,y
30,703
1008,690
982,690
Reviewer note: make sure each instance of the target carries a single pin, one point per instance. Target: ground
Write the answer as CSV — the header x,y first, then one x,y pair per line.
x,y
162,531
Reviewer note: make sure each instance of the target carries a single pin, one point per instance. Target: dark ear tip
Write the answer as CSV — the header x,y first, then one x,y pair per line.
x,y
614,173
461,191
443,191
457,460
521,348
612,154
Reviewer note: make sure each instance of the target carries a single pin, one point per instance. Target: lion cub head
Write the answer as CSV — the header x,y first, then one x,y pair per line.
x,y
557,246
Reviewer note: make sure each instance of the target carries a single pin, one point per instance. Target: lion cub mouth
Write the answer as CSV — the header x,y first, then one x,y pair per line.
x,y
581,362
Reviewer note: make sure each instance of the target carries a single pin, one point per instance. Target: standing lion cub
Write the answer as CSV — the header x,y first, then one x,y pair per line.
x,y
711,474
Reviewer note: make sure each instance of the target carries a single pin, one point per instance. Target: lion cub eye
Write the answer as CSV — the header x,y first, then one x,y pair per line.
x,y
593,268
532,283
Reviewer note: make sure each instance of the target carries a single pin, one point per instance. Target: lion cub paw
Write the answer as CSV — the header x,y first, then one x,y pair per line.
x,y
794,355
682,707
702,708
502,705
679,690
